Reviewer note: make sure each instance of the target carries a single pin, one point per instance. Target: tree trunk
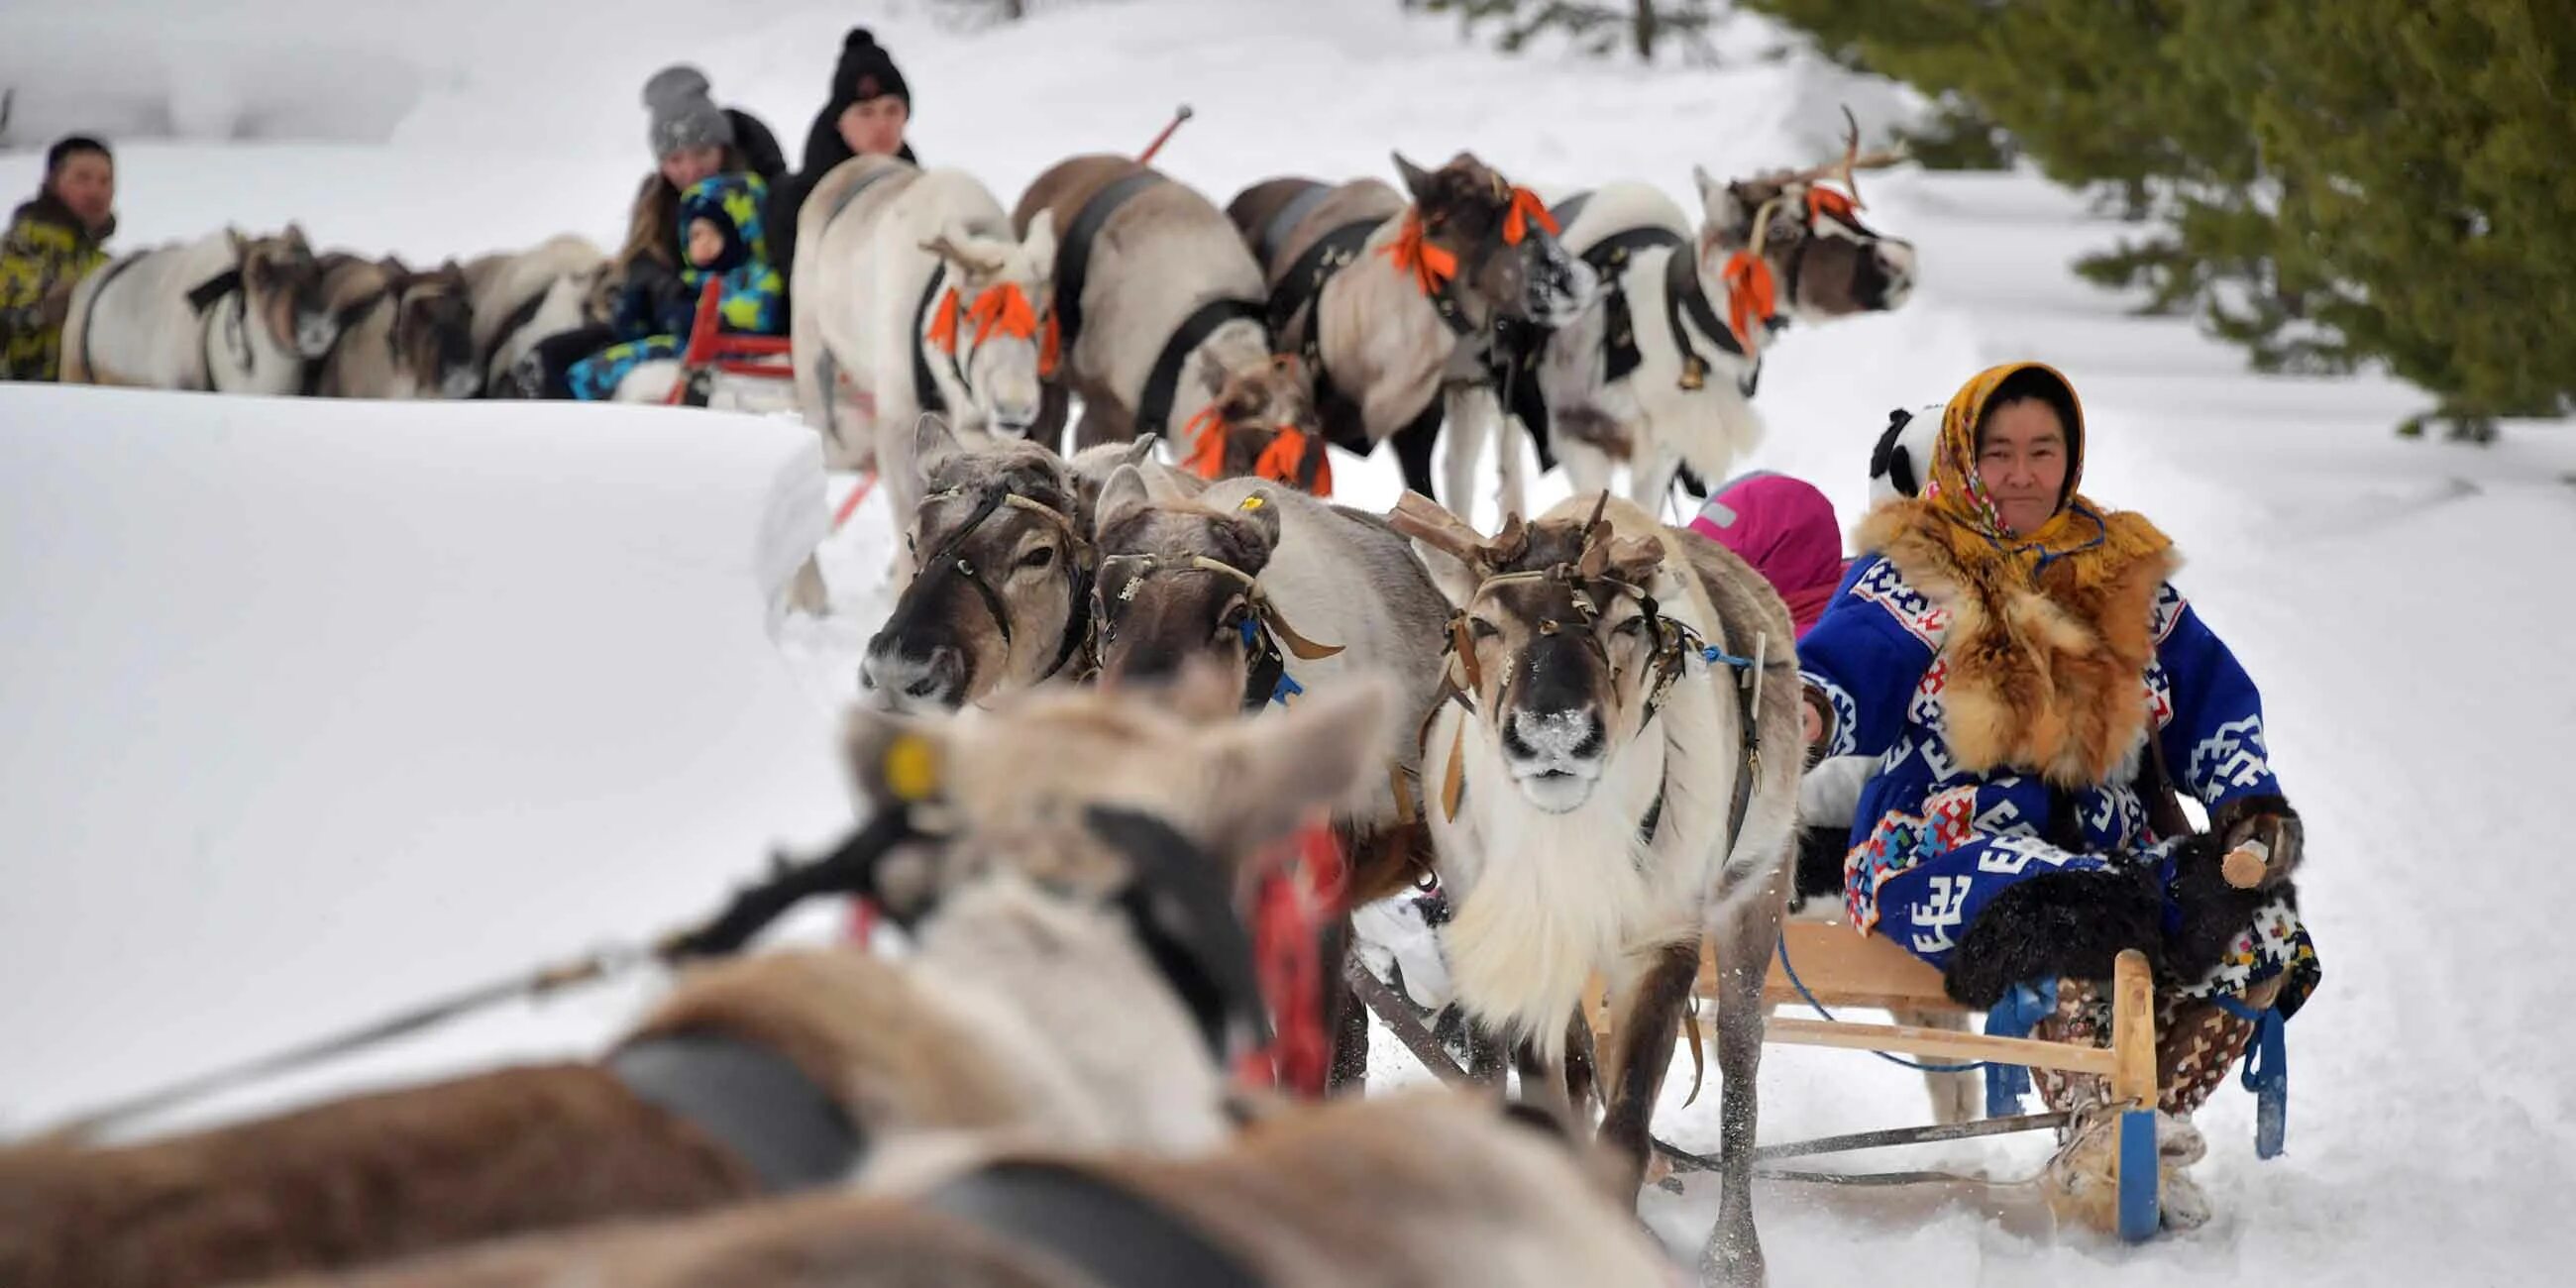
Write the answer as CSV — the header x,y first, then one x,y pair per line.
x,y
1646,30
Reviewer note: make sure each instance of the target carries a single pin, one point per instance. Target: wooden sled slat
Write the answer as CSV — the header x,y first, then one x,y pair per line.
x,y
1942,1044
1844,969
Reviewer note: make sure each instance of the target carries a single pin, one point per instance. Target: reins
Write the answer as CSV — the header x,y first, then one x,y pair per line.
x,y
1264,627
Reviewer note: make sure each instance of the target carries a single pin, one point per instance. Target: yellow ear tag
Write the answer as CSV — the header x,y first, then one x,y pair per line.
x,y
911,768
1250,503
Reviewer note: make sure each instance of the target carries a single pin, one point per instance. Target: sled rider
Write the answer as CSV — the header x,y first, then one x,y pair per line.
x,y
2033,688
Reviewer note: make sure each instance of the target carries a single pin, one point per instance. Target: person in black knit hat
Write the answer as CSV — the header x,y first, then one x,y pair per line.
x,y
866,115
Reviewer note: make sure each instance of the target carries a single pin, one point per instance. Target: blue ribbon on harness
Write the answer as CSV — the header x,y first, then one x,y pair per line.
x,y
2020,1011
1712,653
2267,1072
1286,688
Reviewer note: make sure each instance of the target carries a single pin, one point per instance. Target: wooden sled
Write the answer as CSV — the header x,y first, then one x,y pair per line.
x,y
1840,968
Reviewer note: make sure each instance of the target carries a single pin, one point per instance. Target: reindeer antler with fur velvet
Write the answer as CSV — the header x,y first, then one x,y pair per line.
x,y
948,250
1843,167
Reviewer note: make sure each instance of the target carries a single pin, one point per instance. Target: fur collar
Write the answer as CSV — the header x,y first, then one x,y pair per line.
x,y
2044,666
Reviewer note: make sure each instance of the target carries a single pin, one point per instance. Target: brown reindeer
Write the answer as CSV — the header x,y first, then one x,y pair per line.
x,y
1289,595
1066,874
1427,1187
1390,300
1002,539
401,334
1605,789
1161,312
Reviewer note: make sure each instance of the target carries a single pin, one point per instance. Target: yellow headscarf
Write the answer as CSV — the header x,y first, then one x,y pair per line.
x,y
2099,541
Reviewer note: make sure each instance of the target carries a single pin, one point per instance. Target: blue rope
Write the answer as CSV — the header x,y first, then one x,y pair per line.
x,y
1712,653
2267,1072
1801,986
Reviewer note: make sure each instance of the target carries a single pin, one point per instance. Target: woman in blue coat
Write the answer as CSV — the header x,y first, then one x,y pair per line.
x,y
2034,688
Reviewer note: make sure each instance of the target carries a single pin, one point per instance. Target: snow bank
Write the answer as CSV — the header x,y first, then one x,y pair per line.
x,y
314,709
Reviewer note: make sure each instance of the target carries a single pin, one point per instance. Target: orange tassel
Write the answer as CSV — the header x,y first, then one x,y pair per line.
x,y
1526,210
1430,265
1005,309
1748,297
1826,201
1049,347
1281,460
1207,443
943,323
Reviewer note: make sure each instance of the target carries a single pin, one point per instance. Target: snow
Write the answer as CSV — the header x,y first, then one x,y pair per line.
x,y
315,710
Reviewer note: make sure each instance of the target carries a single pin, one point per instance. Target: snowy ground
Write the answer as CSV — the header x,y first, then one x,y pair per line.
x,y
312,712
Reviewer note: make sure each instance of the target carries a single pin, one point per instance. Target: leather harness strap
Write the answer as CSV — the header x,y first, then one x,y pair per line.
x,y
1113,1236
1073,249
1266,244
749,1099
1162,385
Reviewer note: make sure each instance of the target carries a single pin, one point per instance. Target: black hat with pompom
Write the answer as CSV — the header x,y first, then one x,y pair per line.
x,y
866,71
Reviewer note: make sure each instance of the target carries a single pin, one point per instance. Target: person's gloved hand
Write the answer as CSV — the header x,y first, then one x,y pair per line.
x,y
2268,819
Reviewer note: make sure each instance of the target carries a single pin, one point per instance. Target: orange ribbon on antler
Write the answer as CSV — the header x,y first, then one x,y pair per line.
x,y
1206,432
1413,253
1285,458
1526,210
943,323
1749,297
1002,307
1826,201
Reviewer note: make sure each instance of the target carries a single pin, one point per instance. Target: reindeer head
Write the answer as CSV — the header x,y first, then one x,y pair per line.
x,y
1179,580
994,324
434,330
1558,642
1827,262
1264,426
1019,777
1498,240
1005,570
283,283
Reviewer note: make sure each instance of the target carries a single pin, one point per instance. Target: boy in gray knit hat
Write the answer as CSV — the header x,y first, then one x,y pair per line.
x,y
684,117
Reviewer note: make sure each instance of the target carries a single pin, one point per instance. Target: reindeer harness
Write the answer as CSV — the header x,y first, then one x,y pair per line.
x,y
1675,644
1264,629
945,560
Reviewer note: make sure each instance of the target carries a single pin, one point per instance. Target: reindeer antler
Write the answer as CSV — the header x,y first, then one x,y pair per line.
x,y
1843,167
1852,159
945,249
1427,521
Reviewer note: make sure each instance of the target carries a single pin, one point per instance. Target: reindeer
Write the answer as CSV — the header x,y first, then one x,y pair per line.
x,y
1390,305
401,334
1160,311
1240,574
561,284
1002,537
227,313
1659,372
910,285
1078,978
1428,1186
1288,594
1601,797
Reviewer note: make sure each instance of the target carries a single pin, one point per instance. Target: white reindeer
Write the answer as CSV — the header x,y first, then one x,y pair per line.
x,y
226,313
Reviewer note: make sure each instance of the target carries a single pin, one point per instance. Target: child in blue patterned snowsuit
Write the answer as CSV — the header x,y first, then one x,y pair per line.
x,y
720,237
2029,683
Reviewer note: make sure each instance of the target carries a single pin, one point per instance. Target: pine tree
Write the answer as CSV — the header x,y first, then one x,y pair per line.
x,y
2364,181
1598,26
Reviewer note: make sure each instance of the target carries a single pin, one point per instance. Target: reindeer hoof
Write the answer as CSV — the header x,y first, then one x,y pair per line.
x,y
1734,1261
